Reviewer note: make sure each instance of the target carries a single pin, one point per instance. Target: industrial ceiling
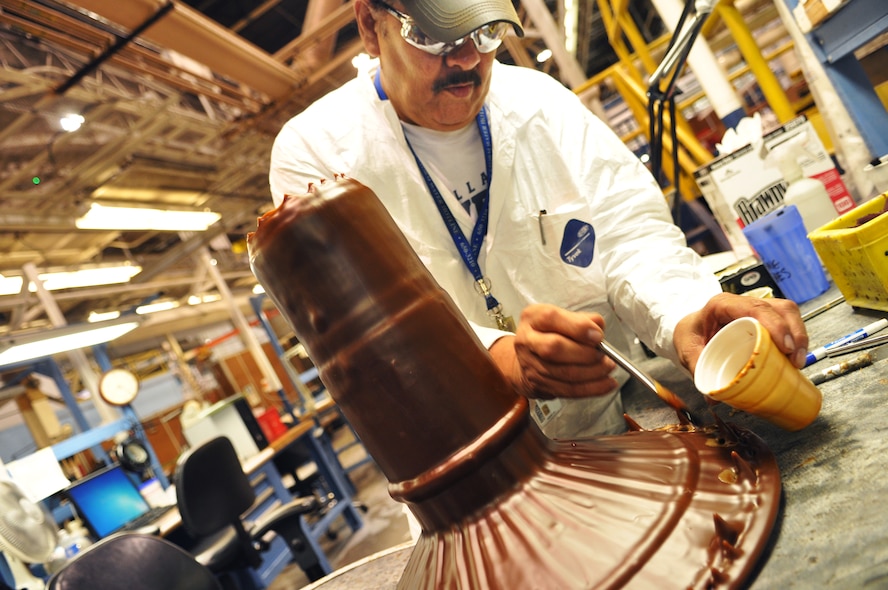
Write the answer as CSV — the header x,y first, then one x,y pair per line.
x,y
181,103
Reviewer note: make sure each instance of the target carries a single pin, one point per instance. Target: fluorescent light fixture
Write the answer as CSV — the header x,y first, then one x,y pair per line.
x,y
206,298
145,195
10,285
258,289
138,218
86,277
571,25
102,316
155,307
17,349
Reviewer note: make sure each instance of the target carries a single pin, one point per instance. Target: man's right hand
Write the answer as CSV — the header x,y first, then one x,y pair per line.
x,y
554,353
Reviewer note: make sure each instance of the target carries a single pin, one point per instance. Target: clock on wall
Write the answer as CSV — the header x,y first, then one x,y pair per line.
x,y
118,387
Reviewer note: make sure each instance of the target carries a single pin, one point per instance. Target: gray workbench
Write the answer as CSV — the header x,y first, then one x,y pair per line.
x,y
833,532
833,528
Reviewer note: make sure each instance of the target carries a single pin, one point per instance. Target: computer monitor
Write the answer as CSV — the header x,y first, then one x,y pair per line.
x,y
106,500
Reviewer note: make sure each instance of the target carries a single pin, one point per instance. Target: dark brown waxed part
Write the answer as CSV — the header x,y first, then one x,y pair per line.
x,y
501,506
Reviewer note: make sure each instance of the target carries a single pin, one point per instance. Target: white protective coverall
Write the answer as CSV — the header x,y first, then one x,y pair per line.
x,y
549,153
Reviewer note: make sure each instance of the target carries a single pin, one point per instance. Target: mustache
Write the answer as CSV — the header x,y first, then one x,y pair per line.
x,y
457,78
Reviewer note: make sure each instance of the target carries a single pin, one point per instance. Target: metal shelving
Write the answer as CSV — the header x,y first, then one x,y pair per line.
x,y
834,42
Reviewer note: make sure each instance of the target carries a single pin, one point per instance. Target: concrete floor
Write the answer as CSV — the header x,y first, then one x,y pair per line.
x,y
385,523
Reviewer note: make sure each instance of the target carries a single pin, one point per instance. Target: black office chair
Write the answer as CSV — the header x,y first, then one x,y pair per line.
x,y
135,562
297,457
212,493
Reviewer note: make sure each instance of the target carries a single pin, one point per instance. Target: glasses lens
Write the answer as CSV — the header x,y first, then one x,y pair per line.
x,y
486,38
414,35
490,36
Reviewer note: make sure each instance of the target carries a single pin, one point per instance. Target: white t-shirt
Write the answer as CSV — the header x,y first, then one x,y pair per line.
x,y
458,158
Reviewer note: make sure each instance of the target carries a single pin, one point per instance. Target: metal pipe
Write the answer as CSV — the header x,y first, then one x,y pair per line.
x,y
761,69
246,332
636,39
721,93
77,357
696,155
569,69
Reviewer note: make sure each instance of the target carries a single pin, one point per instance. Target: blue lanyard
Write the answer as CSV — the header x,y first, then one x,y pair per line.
x,y
469,251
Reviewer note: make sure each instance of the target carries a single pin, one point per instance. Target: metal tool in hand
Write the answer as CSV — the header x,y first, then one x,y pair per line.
x,y
662,392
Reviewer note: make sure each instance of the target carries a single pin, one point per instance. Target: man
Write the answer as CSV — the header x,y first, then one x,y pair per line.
x,y
519,201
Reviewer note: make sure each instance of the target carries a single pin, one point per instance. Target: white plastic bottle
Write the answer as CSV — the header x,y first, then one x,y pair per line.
x,y
808,194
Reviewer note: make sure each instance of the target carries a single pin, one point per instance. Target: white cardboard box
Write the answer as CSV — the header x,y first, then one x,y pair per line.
x,y
741,186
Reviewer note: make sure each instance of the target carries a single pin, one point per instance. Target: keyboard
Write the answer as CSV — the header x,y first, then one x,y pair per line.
x,y
147,519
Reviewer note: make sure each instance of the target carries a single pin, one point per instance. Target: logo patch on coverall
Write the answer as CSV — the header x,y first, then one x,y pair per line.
x,y
578,243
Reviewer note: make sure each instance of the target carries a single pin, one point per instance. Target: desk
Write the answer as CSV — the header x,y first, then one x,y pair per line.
x,y
291,435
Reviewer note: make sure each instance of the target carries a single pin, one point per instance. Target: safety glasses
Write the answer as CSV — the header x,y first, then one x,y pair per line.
x,y
486,38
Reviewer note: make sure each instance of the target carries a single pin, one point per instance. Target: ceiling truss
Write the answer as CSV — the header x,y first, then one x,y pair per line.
x,y
179,111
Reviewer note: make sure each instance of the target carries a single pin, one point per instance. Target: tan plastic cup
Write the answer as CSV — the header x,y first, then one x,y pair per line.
x,y
742,367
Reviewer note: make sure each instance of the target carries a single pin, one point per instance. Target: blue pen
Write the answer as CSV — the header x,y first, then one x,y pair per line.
x,y
818,353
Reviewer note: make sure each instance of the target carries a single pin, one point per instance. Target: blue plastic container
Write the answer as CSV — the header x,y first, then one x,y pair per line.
x,y
780,240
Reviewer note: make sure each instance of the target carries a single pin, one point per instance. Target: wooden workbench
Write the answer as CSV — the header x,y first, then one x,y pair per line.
x,y
291,435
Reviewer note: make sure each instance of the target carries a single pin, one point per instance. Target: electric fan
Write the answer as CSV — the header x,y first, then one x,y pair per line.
x,y
27,534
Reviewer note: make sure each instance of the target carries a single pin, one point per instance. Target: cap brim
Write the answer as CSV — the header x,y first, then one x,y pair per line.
x,y
449,20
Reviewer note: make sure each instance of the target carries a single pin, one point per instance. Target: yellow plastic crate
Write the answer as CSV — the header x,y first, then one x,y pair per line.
x,y
857,257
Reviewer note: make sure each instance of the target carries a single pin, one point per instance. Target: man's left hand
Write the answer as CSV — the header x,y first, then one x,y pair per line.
x,y
780,317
